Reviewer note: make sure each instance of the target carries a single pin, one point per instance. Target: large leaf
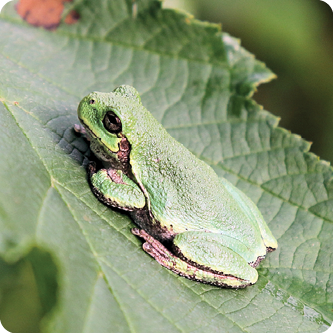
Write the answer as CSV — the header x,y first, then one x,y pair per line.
x,y
198,82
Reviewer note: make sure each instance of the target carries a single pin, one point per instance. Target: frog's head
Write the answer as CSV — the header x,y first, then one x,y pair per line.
x,y
108,117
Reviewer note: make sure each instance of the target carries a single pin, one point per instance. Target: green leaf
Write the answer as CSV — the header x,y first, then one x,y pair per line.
x,y
198,83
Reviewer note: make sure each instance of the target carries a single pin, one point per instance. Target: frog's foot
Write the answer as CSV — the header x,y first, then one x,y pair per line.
x,y
183,268
115,189
257,262
81,130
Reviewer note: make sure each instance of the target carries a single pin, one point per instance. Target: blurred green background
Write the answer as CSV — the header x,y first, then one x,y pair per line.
x,y
295,40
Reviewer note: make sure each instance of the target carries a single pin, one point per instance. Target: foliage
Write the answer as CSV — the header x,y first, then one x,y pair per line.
x,y
198,82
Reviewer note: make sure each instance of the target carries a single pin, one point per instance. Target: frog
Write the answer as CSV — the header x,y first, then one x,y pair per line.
x,y
191,221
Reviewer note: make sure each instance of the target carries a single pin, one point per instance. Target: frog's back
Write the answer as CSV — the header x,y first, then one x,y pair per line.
x,y
185,193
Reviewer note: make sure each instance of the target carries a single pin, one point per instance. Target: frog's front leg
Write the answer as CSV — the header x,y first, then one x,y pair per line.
x,y
233,270
115,189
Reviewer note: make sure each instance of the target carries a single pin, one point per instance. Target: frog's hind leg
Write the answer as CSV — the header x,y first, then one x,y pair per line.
x,y
192,271
251,210
217,253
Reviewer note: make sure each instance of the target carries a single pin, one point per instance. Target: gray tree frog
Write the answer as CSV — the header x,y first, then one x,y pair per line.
x,y
192,222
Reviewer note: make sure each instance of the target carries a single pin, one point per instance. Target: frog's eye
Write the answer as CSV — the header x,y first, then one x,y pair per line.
x,y
112,123
92,101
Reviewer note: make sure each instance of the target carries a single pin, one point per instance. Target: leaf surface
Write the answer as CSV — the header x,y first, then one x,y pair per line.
x,y
198,83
